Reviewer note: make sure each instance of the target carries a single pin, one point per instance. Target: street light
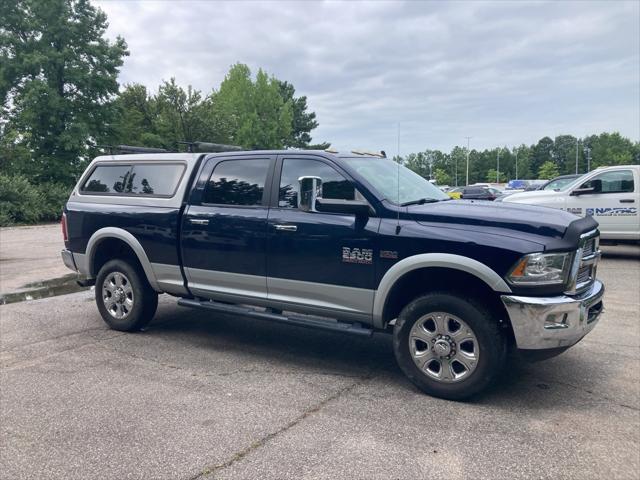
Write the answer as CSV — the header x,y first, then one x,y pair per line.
x,y
516,163
468,139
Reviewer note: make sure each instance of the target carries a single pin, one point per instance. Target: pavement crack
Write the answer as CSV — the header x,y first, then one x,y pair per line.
x,y
207,471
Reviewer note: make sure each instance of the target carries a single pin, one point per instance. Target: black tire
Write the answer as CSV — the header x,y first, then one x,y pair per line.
x,y
134,314
484,328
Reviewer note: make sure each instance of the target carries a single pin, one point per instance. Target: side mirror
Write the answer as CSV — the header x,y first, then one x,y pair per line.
x,y
358,208
310,191
595,187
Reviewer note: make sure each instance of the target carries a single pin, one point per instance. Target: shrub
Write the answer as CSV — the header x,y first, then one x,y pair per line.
x,y
24,203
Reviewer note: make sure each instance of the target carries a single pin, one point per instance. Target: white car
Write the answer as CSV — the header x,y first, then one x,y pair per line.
x,y
610,194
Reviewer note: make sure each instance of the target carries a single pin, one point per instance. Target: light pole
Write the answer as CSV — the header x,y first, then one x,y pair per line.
x,y
468,139
577,142
588,149
498,166
516,164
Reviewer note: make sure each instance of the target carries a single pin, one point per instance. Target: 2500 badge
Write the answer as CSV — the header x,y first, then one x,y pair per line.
x,y
357,255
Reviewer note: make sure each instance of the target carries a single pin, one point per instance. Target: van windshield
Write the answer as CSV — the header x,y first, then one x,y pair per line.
x,y
382,174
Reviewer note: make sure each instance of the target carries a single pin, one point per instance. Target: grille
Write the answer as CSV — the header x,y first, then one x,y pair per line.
x,y
589,247
584,275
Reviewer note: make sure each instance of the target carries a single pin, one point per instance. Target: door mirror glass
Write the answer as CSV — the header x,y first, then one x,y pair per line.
x,y
592,186
310,190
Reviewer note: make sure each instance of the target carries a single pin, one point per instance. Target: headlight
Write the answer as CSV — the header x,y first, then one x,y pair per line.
x,y
541,269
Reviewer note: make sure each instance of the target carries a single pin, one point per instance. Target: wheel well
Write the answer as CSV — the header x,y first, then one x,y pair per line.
x,y
111,248
430,279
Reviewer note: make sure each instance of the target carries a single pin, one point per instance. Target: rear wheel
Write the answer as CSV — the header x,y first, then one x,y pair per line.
x,y
125,299
448,346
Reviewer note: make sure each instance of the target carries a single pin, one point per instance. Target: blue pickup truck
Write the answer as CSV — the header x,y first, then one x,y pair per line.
x,y
350,242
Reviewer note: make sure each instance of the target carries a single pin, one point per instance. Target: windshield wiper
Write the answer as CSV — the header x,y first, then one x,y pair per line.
x,y
420,201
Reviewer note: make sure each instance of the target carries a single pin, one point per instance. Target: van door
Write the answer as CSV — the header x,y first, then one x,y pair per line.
x,y
613,202
224,229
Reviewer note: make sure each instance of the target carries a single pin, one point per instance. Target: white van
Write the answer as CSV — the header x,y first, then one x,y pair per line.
x,y
610,194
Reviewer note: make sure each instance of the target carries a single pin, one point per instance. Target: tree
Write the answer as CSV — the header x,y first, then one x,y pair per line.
x,y
492,176
58,79
540,153
303,122
548,170
442,177
256,115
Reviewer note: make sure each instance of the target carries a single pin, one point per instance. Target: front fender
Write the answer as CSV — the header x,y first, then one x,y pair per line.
x,y
426,260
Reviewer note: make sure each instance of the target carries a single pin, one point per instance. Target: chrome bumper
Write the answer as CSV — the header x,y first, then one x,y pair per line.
x,y
67,258
552,322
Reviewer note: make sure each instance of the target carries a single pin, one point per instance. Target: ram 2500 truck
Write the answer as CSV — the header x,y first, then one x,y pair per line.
x,y
348,242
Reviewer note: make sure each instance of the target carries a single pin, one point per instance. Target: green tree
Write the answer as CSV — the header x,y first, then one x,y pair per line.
x,y
256,115
58,78
303,121
548,170
442,177
540,153
492,176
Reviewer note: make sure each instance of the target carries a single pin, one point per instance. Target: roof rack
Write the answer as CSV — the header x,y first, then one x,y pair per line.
x,y
113,149
210,147
380,154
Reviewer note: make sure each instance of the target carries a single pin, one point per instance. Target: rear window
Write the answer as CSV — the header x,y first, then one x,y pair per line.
x,y
144,179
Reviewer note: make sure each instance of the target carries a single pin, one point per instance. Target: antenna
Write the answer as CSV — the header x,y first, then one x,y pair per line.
x,y
398,217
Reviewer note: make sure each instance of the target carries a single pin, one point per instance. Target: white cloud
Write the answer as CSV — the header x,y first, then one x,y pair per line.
x,y
502,72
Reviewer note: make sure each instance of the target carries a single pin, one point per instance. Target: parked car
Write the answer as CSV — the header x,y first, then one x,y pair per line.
x,y
474,192
559,183
332,241
610,195
455,192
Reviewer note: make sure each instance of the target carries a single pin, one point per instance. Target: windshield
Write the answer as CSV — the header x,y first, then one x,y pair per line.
x,y
559,184
382,174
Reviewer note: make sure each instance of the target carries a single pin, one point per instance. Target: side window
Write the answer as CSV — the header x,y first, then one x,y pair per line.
x,y
237,182
617,181
154,179
108,179
334,185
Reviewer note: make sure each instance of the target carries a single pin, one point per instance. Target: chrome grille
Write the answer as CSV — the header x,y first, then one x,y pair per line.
x,y
584,271
584,275
589,247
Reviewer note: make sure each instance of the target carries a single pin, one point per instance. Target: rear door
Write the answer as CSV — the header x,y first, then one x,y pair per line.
x,y
614,205
224,236
321,260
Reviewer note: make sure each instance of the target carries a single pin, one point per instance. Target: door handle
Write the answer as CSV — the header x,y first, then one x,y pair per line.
x,y
627,200
287,228
199,221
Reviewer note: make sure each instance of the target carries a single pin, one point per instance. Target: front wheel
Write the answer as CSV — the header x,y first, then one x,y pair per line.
x,y
125,299
449,347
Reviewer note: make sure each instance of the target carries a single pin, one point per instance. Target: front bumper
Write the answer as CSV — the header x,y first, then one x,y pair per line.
x,y
553,322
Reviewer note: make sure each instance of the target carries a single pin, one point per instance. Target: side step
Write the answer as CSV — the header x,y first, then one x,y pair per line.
x,y
289,319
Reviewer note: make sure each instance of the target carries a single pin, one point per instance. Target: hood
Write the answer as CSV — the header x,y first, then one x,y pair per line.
x,y
546,222
533,195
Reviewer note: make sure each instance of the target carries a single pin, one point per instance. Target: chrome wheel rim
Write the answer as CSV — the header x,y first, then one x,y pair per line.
x,y
117,295
444,347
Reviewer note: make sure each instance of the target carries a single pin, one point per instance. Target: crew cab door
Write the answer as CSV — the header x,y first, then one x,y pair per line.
x,y
323,261
613,202
224,228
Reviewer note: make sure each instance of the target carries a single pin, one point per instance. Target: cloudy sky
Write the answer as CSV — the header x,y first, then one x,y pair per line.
x,y
502,72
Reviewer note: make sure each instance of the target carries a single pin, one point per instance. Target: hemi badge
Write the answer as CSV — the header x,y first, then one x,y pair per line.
x,y
392,254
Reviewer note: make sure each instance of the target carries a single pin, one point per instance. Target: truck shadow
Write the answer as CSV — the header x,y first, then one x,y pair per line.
x,y
254,345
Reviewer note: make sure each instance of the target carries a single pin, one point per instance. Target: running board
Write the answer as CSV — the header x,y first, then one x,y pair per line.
x,y
289,319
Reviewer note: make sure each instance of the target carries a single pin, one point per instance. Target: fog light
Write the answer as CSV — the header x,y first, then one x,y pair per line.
x,y
553,322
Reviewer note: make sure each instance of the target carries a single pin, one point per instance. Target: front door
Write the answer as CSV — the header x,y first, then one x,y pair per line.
x,y
224,229
614,204
321,260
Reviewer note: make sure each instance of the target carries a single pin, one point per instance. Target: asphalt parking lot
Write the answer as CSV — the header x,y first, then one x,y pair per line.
x,y
205,396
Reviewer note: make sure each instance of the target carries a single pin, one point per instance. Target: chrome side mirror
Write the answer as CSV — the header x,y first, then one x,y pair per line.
x,y
310,190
